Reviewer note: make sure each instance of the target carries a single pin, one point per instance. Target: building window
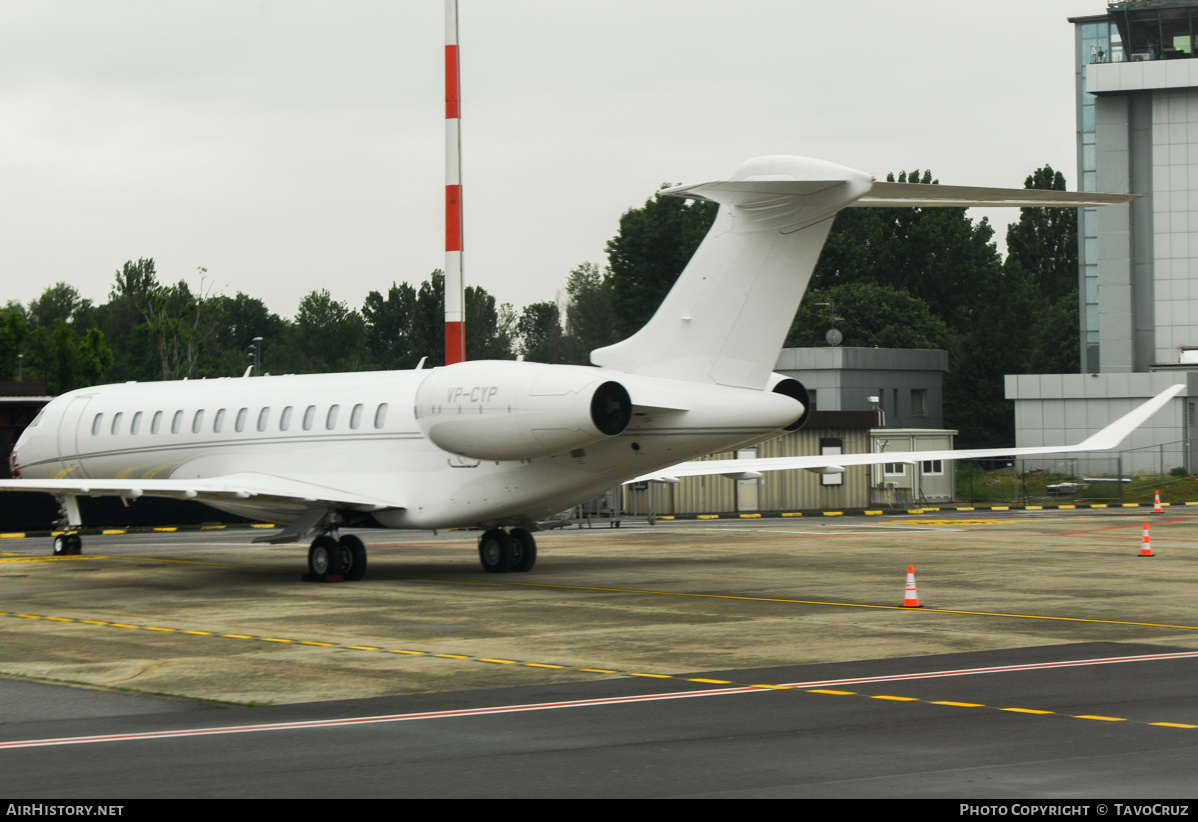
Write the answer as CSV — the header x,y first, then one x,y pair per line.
x,y
895,469
919,402
932,468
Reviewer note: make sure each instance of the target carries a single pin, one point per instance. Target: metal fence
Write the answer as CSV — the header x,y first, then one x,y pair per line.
x,y
1105,476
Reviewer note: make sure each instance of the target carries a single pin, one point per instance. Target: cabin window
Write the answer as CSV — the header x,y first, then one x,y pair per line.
x,y
96,423
197,422
330,422
355,417
135,426
177,422
309,417
241,415
156,423
263,418
116,422
380,415
285,419
219,423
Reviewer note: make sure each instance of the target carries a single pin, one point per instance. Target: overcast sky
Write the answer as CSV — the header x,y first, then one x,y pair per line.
x,y
293,145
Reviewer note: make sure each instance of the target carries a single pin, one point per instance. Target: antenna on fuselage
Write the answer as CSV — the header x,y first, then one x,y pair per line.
x,y
455,293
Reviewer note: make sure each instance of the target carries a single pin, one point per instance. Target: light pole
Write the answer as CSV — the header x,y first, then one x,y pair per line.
x,y
257,356
20,363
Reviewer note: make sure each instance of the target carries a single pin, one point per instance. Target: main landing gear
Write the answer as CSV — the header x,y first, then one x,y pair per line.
x,y
501,551
330,558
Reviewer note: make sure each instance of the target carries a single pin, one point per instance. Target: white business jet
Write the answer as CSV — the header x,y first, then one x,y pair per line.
x,y
504,445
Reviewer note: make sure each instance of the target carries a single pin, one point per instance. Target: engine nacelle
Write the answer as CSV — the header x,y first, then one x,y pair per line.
x,y
790,387
492,410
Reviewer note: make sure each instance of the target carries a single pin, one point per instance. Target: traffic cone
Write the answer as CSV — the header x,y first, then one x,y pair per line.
x,y
1156,506
911,599
1146,547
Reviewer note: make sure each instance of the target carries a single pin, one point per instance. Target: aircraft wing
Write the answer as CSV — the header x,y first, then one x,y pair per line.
x,y
1105,440
244,486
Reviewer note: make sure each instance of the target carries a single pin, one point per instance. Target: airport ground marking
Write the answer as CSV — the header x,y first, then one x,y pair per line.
x,y
785,601
493,710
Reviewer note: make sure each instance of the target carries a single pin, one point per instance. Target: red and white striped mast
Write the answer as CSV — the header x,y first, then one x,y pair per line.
x,y
455,294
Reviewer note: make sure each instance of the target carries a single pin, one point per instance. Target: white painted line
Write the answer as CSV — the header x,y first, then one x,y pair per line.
x,y
578,703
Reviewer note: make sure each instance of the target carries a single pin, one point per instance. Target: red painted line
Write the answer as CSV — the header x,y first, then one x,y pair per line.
x,y
451,83
455,343
578,703
1138,524
453,218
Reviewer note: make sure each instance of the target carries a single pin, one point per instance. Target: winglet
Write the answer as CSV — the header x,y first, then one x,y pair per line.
x,y
1117,431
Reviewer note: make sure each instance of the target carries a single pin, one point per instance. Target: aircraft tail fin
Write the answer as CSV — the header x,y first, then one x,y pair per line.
x,y
726,317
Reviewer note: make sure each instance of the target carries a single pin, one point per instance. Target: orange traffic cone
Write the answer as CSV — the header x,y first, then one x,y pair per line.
x,y
1146,547
911,599
1156,506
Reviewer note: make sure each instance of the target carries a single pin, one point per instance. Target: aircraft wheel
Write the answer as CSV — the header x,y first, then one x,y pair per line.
x,y
324,558
526,549
74,544
60,545
495,551
353,557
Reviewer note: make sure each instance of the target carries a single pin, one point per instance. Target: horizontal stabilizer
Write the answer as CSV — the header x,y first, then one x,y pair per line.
x,y
926,196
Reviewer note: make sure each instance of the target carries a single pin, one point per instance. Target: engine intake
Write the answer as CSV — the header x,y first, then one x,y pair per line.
x,y
790,387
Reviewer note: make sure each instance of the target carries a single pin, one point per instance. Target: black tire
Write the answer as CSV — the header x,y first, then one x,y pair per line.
x,y
60,545
324,558
74,544
495,552
353,556
526,550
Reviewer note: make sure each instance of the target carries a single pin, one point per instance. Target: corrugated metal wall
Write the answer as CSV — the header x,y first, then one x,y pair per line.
x,y
777,490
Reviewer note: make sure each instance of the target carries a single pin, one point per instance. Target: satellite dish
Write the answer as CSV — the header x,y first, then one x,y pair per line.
x,y
834,337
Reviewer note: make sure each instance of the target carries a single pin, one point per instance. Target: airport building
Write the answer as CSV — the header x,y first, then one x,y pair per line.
x,y
1136,86
864,400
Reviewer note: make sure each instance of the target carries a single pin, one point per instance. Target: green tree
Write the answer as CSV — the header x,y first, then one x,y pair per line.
x,y
652,247
409,324
590,313
13,333
870,315
329,335
179,322
540,331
